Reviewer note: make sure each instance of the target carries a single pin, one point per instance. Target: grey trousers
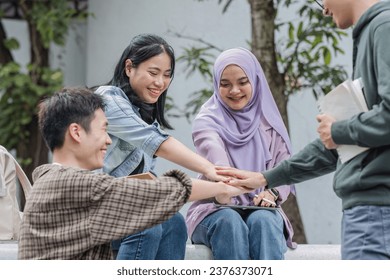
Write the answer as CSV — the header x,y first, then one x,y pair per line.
x,y
366,233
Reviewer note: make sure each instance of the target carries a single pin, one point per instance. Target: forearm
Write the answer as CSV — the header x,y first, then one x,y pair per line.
x,y
130,205
202,189
174,151
313,161
280,152
366,129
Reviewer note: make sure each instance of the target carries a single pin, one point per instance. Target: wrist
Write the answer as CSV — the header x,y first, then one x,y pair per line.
x,y
206,168
223,194
261,179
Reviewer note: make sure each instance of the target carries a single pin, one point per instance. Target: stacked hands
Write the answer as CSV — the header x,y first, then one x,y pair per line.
x,y
240,181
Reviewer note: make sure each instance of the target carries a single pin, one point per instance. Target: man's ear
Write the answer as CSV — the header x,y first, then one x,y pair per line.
x,y
74,130
128,66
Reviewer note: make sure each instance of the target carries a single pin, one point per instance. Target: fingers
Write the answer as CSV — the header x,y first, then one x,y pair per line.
x,y
226,172
220,178
212,175
268,203
236,183
319,117
224,168
256,200
260,200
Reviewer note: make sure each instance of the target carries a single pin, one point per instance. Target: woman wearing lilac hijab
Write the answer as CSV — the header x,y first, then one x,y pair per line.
x,y
240,126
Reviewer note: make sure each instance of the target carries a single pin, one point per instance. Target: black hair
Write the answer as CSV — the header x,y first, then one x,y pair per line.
x,y
67,106
141,48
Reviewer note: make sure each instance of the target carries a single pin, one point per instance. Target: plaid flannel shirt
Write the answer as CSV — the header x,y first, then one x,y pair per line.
x,y
74,214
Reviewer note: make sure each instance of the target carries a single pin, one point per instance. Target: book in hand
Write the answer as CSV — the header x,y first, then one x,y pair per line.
x,y
143,176
343,102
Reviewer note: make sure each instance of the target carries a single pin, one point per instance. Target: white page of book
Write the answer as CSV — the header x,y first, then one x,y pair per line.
x,y
343,102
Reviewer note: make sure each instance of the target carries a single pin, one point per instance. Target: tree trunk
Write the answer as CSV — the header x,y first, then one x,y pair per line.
x,y
5,54
34,147
263,15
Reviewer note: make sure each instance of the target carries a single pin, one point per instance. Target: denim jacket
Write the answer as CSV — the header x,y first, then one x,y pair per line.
x,y
132,138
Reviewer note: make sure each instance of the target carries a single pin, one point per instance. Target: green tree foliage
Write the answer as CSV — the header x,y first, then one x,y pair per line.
x,y
22,87
307,52
306,47
19,99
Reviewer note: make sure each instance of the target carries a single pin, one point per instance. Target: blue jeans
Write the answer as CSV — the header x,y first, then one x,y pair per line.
x,y
365,233
242,235
166,241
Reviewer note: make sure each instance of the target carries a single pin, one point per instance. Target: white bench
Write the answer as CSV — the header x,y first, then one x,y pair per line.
x,y
9,251
303,252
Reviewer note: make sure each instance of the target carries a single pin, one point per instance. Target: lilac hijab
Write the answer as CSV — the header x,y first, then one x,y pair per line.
x,y
243,131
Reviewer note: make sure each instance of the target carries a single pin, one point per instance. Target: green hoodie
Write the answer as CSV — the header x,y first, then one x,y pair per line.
x,y
365,179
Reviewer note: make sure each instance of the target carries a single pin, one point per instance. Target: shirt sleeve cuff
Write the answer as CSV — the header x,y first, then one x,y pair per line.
x,y
340,133
183,178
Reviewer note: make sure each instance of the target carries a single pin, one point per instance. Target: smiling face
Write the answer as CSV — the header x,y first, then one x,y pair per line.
x,y
94,142
234,87
151,77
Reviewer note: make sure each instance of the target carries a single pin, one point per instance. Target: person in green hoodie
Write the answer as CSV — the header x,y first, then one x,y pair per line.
x,y
363,182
